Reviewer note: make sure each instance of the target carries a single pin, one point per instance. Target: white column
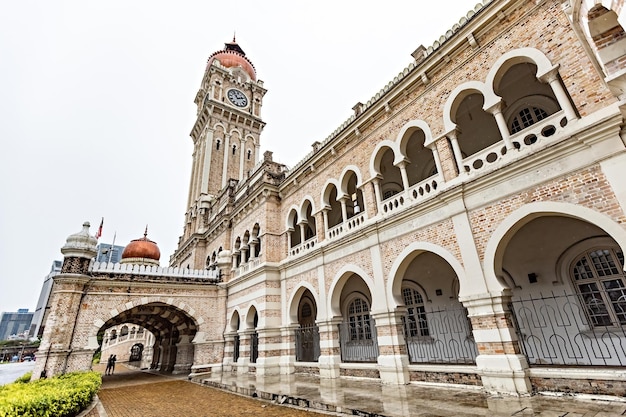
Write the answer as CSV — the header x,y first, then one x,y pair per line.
x,y
377,193
302,225
344,209
226,153
242,157
496,111
433,149
405,177
552,78
457,151
206,168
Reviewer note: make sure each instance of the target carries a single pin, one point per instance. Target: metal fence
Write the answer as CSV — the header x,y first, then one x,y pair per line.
x,y
236,342
449,338
555,330
307,343
254,347
356,348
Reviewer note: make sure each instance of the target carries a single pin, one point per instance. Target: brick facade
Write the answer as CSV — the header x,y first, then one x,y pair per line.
x,y
524,145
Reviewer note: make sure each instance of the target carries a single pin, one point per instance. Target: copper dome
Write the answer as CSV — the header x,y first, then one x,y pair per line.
x,y
142,248
233,56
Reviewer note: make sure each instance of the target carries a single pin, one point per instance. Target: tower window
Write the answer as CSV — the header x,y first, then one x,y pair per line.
x,y
217,144
249,154
234,149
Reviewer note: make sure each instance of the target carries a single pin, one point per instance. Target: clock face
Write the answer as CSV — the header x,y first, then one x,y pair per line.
x,y
238,98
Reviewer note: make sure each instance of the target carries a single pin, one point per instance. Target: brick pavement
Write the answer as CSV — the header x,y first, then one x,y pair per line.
x,y
129,393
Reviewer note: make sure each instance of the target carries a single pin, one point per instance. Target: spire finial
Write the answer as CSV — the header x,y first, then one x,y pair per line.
x,y
234,33
145,233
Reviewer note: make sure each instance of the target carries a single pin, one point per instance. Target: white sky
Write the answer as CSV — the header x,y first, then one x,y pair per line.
x,y
96,105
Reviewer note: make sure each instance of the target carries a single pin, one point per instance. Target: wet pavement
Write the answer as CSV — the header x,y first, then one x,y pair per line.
x,y
336,397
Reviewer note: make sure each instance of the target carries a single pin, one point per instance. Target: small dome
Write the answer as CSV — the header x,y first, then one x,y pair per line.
x,y
233,56
141,251
80,244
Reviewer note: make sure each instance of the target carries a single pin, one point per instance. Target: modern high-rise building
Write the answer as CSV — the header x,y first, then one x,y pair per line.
x,y
15,324
41,311
108,252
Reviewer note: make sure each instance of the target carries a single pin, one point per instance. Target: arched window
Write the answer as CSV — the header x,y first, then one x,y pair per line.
x,y
249,154
234,149
598,275
359,320
217,144
416,324
528,116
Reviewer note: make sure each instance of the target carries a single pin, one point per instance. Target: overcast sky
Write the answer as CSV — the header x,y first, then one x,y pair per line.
x,y
96,105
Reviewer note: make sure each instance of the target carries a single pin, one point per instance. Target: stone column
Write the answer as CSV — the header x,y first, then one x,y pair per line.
x,y
330,353
435,151
229,352
456,149
500,362
377,191
288,349
552,78
268,362
64,347
184,355
303,225
393,358
320,228
244,251
252,245
243,362
370,204
289,232
405,176
496,111
344,209
226,153
325,216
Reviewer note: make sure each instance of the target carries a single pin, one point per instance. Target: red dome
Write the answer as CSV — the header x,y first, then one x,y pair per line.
x,y
233,56
142,248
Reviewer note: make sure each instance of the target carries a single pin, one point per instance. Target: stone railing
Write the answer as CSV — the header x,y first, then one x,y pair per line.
x,y
155,271
538,135
303,247
355,222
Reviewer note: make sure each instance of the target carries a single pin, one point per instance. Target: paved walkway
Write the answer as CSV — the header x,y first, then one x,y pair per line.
x,y
131,394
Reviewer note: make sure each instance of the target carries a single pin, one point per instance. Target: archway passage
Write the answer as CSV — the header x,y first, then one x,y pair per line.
x,y
172,328
569,287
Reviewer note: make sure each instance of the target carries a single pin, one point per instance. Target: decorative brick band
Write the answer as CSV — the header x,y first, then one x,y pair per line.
x,y
498,348
446,377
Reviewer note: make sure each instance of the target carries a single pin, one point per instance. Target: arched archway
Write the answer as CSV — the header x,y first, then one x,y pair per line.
x,y
569,289
436,325
173,330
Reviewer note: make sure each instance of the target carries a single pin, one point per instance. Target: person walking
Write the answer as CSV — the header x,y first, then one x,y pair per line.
x,y
108,370
113,360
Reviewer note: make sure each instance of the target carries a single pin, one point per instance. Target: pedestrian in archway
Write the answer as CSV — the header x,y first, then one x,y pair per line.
x,y
110,364
113,359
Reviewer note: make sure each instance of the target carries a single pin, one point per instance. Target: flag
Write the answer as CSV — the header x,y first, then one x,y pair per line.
x,y
99,232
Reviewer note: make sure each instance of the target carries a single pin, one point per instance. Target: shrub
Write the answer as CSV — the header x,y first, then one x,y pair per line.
x,y
62,396
24,378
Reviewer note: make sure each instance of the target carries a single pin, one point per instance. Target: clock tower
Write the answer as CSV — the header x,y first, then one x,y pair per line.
x,y
226,132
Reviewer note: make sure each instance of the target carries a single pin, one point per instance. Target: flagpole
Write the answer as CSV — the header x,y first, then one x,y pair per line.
x,y
111,248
